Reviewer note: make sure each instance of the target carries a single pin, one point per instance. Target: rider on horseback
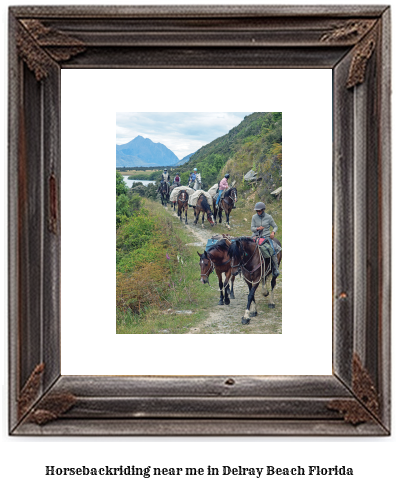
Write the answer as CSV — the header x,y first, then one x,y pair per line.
x,y
260,226
165,176
223,185
192,178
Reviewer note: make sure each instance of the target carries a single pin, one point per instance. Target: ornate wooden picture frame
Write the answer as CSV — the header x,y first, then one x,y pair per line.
x,y
352,41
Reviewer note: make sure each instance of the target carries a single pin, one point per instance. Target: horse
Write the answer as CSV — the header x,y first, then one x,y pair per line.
x,y
226,203
182,204
203,206
197,182
216,259
247,259
164,189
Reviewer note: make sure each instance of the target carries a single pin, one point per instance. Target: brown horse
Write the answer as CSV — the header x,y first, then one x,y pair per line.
x,y
217,259
164,190
247,259
226,203
203,207
182,204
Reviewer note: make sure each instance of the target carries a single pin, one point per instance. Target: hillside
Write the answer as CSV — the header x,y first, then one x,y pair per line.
x,y
143,152
256,143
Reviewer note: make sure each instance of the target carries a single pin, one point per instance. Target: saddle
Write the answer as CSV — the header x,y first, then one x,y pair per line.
x,y
266,249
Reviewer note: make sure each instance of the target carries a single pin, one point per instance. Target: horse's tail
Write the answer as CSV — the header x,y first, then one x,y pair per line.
x,y
205,204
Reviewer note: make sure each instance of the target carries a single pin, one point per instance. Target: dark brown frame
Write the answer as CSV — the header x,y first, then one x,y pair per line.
x,y
353,41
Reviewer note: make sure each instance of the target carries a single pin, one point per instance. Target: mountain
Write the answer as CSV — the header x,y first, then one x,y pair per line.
x,y
184,159
142,152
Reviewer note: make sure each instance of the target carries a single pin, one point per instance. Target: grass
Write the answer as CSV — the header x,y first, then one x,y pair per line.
x,y
178,288
240,218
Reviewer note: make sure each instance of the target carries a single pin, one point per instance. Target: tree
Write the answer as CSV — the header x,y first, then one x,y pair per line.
x,y
121,187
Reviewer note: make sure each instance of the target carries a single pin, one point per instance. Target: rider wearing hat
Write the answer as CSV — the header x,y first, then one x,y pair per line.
x,y
260,226
165,175
192,177
223,185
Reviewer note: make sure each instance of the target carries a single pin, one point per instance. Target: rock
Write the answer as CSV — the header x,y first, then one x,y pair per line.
x,y
277,192
251,176
245,220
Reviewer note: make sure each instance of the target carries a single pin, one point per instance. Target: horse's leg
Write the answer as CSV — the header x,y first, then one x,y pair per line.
x,y
203,214
251,298
186,208
227,218
221,302
271,303
220,211
232,287
252,309
246,318
227,287
265,291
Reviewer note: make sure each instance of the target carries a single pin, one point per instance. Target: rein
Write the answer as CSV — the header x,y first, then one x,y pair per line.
x,y
260,265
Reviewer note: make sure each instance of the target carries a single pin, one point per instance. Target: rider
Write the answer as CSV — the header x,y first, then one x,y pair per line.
x,y
192,177
165,175
177,179
223,185
260,226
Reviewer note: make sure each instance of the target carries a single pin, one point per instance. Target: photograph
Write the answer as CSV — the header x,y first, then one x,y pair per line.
x,y
199,223
212,88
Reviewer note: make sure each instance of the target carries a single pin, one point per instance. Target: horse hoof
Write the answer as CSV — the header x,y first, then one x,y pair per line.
x,y
244,320
271,306
253,314
227,301
232,297
221,302
265,294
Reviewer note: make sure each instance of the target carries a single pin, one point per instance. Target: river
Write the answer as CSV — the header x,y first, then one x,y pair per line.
x,y
130,182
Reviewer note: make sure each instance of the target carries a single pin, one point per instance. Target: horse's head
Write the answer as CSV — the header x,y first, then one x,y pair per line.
x,y
233,194
210,218
206,267
236,253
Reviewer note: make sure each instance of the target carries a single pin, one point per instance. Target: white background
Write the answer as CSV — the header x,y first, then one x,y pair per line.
x,y
89,102
374,460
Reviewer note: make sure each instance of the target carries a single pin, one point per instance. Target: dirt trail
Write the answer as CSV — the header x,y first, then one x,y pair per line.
x,y
226,319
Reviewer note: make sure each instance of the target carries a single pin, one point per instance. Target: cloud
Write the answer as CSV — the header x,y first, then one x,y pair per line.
x,y
183,133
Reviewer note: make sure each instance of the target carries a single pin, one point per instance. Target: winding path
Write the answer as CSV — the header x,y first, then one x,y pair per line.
x,y
226,319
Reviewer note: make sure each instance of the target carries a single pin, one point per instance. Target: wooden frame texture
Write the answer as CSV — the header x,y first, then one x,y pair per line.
x,y
352,41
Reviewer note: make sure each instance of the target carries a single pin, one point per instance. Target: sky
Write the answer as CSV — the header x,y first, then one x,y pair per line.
x,y
183,133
